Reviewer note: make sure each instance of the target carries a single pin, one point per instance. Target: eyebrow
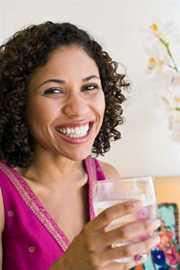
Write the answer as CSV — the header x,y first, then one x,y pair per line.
x,y
90,77
62,81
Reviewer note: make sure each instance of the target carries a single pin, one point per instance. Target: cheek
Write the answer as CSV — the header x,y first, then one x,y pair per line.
x,y
41,113
101,104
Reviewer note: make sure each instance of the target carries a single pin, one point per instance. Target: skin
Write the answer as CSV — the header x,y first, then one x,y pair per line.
x,y
67,91
91,249
78,99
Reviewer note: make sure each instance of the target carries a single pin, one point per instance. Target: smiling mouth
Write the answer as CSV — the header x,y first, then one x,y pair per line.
x,y
78,132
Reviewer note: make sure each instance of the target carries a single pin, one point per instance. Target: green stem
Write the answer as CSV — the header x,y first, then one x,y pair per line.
x,y
166,45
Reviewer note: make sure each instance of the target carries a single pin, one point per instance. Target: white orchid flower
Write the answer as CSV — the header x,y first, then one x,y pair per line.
x,y
160,49
163,59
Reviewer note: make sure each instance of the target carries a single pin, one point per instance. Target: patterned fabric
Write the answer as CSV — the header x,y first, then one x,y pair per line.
x,y
31,238
166,255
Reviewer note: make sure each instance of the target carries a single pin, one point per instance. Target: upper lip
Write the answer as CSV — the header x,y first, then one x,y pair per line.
x,y
74,124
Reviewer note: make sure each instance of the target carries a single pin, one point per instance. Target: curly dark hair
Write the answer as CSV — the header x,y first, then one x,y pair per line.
x,y
29,49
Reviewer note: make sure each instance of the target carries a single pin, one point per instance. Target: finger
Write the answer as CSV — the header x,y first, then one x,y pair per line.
x,y
141,214
135,262
134,232
116,266
114,212
113,253
146,212
139,231
143,247
129,252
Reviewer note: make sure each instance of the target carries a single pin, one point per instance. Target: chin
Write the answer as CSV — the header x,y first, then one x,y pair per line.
x,y
78,155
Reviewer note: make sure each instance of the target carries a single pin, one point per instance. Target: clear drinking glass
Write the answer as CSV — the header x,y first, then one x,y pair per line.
x,y
110,192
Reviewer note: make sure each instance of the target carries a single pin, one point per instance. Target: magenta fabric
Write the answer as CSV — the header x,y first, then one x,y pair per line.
x,y
31,238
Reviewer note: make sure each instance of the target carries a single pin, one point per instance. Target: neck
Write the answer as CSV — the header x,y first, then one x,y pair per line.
x,y
48,169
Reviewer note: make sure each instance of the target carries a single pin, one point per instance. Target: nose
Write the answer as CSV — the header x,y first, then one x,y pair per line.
x,y
75,106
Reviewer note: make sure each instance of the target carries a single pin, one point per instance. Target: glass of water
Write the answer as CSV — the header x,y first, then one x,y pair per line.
x,y
110,192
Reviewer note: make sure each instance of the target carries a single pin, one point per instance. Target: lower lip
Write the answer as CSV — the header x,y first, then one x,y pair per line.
x,y
75,140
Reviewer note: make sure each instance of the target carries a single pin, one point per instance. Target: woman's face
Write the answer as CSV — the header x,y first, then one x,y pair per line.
x,y
66,103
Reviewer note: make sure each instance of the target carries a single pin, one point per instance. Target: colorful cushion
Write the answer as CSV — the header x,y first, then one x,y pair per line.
x,y
166,255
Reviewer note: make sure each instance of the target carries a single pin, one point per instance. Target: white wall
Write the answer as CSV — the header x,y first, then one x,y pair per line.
x,y
146,147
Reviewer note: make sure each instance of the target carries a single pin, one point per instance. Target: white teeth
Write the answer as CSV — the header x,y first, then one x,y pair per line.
x,y
75,132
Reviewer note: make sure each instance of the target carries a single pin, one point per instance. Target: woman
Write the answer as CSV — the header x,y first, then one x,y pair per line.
x,y
60,101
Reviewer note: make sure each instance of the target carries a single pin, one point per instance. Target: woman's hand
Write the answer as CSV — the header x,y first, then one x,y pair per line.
x,y
92,248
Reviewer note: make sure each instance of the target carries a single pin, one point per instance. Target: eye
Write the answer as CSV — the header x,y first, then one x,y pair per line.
x,y
53,91
90,87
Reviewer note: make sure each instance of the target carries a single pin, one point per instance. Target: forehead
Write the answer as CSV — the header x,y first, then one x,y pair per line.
x,y
67,62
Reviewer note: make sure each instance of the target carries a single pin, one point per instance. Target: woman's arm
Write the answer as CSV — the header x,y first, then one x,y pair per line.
x,y
1,226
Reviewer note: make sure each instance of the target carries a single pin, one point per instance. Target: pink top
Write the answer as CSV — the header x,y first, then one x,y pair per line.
x,y
31,238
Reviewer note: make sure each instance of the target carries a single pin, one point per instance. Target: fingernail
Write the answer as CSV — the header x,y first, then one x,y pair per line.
x,y
137,257
144,237
143,213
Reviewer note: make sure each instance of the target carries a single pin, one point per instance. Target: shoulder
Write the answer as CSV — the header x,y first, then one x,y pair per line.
x,y
109,170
